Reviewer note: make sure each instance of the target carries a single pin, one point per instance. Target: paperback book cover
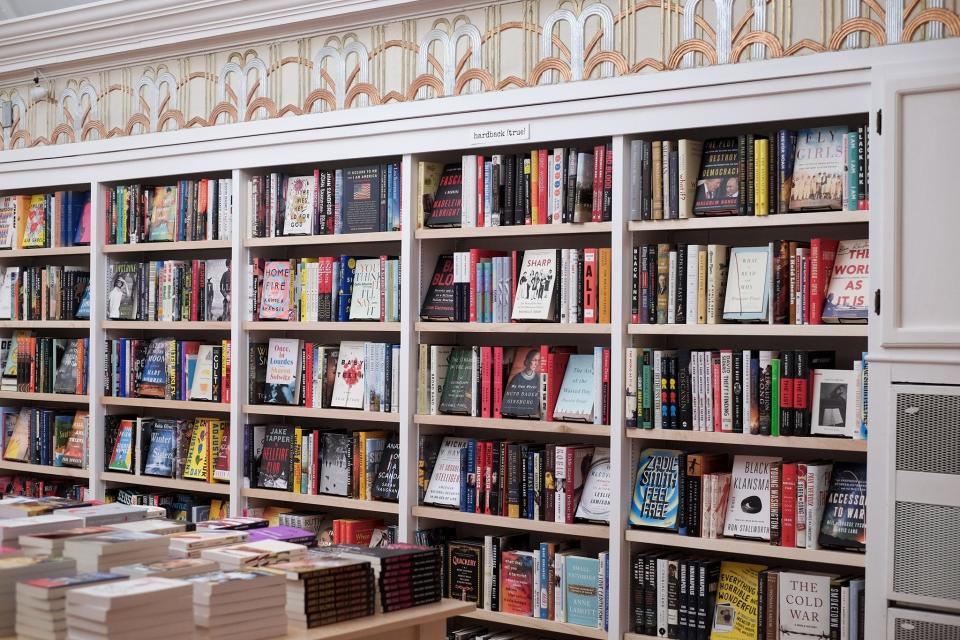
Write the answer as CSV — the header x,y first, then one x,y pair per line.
x,y
336,463
282,384
575,400
163,214
275,300
19,441
595,500
75,453
736,612
153,377
521,395
65,380
438,303
35,227
444,486
123,299
349,387
818,170
163,443
749,270
748,509
276,459
365,299
457,396
844,524
516,583
217,290
581,580
299,211
122,457
198,453
535,299
201,387
386,484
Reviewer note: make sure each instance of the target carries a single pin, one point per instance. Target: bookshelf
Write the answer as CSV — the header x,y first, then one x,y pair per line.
x,y
643,107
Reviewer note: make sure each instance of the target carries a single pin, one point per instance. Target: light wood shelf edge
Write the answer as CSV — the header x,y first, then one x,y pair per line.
x,y
186,325
385,623
579,530
513,327
748,440
13,254
536,623
753,330
508,424
26,467
186,245
319,240
159,403
751,548
157,482
44,397
330,414
338,502
347,327
809,218
44,324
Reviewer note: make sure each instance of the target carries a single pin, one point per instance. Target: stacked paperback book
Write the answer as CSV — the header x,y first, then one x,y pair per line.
x,y
254,554
15,569
406,575
138,609
106,550
240,605
190,543
42,604
324,590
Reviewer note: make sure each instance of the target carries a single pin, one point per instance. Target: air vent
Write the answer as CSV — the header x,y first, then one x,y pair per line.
x,y
926,562
903,624
928,432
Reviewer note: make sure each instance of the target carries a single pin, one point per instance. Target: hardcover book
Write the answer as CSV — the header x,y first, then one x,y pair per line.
x,y
445,210
282,384
595,500
163,215
748,508
349,388
386,483
804,605
217,290
521,395
846,299
199,449
8,221
457,395
844,522
656,495
516,582
161,452
35,227
336,463
575,400
535,299
737,608
365,299
718,187
75,453
444,487
299,211
835,403
465,570
276,460
257,373
438,303
121,459
818,170
360,199
582,597
749,269
275,300
19,441
65,380
123,299
153,377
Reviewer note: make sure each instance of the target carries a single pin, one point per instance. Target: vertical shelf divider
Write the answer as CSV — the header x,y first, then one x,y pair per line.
x,y
239,340
409,351
95,357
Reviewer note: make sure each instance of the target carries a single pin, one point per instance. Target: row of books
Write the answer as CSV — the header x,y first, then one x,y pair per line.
x,y
197,449
361,199
809,505
363,465
698,598
539,383
34,486
546,285
325,289
167,368
534,481
187,210
816,169
542,186
785,282
179,506
770,393
351,375
59,219
44,436
551,580
44,365
50,292
169,290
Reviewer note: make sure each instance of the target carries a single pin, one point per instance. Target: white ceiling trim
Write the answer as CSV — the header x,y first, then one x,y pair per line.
x,y
123,31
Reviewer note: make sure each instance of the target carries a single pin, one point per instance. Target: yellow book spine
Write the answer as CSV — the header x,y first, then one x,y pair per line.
x,y
761,177
362,467
604,286
702,287
534,187
297,464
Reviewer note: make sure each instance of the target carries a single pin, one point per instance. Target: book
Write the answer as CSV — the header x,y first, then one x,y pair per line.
x,y
161,450
521,395
202,386
748,272
465,576
656,495
835,411
386,483
163,214
276,460
217,290
282,383
581,593
446,207
349,386
804,605
516,582
444,486
298,215
123,300
336,463
575,402
35,224
844,516
818,170
200,449
458,390
594,505
275,300
748,508
848,290
74,455
535,299
121,458
19,442
360,199
737,605
8,221
438,303
718,185
365,297
428,180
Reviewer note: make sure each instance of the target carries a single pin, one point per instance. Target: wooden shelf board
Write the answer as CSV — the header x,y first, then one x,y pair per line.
x,y
578,530
638,636
508,424
173,484
536,623
44,397
748,548
187,245
331,414
809,218
187,325
514,230
337,502
159,403
42,469
346,327
44,324
383,624
307,241
12,254
754,330
747,440
513,327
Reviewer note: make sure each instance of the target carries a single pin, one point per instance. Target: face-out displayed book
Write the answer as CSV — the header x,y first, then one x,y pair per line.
x,y
656,494
847,292
536,285
748,511
594,505
444,486
818,170
300,206
445,206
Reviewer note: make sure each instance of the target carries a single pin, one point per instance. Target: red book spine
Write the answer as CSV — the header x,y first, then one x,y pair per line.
x,y
478,483
486,369
823,253
607,183
316,202
543,170
598,163
315,454
308,369
487,476
195,290
717,403
474,260
606,386
590,266
515,272
497,381
481,219
788,506
549,365
504,479
568,487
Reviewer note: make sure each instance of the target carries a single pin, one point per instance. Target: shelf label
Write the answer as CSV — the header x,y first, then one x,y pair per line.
x,y
505,133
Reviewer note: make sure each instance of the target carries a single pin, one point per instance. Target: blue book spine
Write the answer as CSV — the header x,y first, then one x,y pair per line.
x,y
463,479
345,289
488,268
395,194
851,197
541,593
121,361
34,438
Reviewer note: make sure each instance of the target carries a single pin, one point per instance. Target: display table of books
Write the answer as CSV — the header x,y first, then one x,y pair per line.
x,y
426,622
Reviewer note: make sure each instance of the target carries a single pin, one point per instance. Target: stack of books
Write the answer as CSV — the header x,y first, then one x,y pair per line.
x,y
42,604
407,575
101,552
147,608
156,526
254,554
325,590
189,544
51,544
12,528
16,506
18,569
241,605
103,514
285,534
176,568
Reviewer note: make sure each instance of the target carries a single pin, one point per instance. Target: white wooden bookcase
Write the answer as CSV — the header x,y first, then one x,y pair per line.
x,y
845,86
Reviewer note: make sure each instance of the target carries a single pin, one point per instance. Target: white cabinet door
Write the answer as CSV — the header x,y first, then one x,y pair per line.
x,y
915,205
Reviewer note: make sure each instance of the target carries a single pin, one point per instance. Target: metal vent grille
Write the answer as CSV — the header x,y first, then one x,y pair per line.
x,y
928,432
926,559
908,629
